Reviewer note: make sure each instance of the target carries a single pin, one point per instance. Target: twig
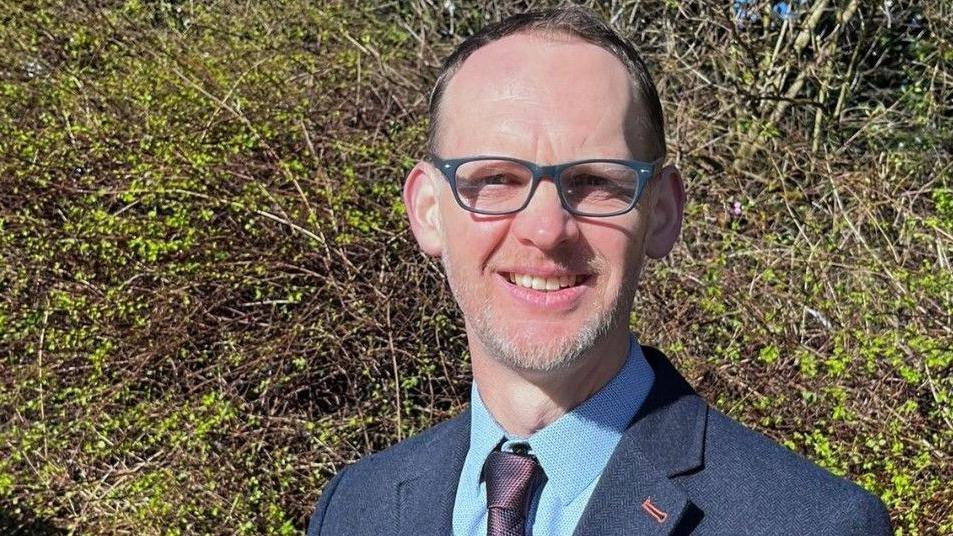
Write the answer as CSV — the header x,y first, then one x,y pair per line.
x,y
393,358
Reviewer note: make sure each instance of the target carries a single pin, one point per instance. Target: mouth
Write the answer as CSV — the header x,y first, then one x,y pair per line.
x,y
545,284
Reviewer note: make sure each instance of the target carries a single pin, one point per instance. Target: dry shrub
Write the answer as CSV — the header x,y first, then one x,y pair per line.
x,y
210,301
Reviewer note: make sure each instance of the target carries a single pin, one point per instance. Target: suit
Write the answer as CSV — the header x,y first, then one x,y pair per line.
x,y
681,468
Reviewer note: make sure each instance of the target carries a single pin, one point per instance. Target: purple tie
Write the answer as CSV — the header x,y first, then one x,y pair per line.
x,y
510,480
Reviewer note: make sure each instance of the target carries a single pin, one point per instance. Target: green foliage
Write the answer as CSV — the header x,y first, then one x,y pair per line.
x,y
210,301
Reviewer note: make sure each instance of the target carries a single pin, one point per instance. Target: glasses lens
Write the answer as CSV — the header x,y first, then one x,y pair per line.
x,y
493,186
599,187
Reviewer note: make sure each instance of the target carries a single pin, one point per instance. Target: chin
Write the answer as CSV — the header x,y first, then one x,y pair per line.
x,y
540,350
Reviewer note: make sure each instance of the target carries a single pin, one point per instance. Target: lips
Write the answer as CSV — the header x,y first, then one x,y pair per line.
x,y
544,283
544,292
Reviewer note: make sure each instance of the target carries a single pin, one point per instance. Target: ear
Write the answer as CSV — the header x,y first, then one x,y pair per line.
x,y
420,199
667,210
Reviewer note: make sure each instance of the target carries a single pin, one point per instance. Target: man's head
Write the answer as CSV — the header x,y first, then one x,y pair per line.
x,y
548,87
563,23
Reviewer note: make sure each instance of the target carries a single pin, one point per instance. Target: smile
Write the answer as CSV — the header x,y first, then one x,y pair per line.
x,y
544,283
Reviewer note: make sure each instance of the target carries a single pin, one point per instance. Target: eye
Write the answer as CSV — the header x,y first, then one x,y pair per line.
x,y
583,180
493,176
590,182
498,179
599,187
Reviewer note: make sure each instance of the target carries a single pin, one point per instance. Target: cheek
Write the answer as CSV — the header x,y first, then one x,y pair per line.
x,y
622,258
472,241
619,247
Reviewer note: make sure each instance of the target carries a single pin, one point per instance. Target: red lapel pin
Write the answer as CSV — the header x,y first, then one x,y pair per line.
x,y
653,510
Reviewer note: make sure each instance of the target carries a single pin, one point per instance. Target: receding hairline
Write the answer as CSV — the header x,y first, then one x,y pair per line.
x,y
640,82
558,35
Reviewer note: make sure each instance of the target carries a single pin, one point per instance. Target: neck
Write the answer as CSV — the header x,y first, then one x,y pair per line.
x,y
525,401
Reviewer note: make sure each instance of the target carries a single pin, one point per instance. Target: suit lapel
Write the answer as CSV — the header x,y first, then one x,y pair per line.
x,y
633,498
427,483
635,494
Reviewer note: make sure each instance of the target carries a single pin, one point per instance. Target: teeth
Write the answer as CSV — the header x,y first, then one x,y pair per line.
x,y
542,283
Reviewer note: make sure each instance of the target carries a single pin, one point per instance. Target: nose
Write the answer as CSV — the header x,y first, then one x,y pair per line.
x,y
544,222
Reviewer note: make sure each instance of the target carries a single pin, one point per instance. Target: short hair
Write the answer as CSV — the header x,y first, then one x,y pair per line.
x,y
573,21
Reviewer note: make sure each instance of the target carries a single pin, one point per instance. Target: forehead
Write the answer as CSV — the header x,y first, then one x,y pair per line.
x,y
543,96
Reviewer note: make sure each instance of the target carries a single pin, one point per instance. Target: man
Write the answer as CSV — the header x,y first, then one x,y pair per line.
x,y
544,192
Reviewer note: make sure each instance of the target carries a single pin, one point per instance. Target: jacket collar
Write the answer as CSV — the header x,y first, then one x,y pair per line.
x,y
635,494
427,480
670,427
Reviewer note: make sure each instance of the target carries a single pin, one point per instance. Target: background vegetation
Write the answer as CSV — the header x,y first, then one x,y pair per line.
x,y
209,300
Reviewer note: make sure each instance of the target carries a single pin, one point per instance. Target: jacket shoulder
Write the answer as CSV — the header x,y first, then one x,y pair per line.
x,y
359,495
388,460
749,480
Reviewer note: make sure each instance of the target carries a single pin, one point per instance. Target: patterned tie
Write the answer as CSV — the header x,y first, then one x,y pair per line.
x,y
510,480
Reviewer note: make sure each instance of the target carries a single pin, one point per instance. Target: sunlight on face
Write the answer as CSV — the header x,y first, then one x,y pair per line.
x,y
547,101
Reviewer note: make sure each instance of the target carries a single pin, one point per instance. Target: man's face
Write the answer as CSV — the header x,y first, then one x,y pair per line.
x,y
548,100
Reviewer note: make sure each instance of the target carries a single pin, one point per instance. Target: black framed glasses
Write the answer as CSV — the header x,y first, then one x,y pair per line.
x,y
497,185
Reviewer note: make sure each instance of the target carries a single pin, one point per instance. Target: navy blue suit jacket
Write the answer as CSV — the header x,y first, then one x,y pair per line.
x,y
682,467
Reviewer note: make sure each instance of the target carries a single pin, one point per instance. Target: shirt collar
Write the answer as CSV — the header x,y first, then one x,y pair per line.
x,y
574,449
485,432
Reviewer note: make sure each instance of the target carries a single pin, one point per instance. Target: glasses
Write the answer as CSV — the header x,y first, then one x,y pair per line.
x,y
497,185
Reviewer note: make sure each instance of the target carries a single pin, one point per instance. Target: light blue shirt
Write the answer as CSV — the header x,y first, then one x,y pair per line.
x,y
573,451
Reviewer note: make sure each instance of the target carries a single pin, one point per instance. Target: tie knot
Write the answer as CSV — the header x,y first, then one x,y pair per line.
x,y
509,480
